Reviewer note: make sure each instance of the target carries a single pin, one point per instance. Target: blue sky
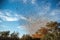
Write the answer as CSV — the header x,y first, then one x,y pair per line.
x,y
27,16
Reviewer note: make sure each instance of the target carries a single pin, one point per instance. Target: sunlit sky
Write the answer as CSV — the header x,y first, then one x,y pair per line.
x,y
20,15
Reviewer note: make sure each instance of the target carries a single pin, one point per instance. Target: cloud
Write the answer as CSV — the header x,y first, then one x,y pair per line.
x,y
33,1
8,16
20,16
44,9
25,1
55,12
0,21
55,15
21,27
30,1
10,19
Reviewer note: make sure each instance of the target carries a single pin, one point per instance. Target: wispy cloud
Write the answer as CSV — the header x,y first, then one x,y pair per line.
x,y
25,1
22,27
0,21
55,15
7,16
30,1
33,1
10,18
55,12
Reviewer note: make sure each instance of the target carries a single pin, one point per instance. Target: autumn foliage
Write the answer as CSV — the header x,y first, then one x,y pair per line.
x,y
50,32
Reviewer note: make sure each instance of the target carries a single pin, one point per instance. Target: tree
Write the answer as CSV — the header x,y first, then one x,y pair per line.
x,y
14,35
26,37
53,27
4,33
44,30
51,24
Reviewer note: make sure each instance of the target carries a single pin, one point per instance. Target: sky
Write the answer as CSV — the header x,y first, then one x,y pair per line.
x,y
27,16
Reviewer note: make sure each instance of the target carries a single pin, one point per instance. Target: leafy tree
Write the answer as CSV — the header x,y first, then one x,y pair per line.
x,y
43,30
14,35
26,37
4,33
51,24
53,27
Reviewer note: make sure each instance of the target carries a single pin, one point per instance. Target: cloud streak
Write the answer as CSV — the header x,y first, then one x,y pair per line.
x,y
7,16
24,1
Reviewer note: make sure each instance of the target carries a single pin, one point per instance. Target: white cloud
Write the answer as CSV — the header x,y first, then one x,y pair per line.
x,y
33,1
21,27
11,19
55,12
0,21
24,1
7,16
8,13
55,15
0,12
43,9
20,17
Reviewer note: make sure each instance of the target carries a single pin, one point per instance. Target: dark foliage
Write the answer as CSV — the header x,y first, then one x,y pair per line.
x,y
5,35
